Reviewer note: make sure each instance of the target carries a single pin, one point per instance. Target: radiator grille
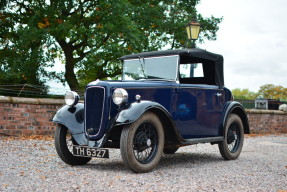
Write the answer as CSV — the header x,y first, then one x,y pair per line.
x,y
94,107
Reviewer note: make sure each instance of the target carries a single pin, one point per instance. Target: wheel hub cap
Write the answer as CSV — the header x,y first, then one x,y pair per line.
x,y
148,142
231,137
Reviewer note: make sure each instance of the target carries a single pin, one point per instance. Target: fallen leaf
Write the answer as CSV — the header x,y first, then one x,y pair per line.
x,y
71,173
5,185
43,177
22,173
75,187
43,148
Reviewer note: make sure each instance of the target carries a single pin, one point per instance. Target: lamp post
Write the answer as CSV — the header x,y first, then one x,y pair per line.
x,y
193,29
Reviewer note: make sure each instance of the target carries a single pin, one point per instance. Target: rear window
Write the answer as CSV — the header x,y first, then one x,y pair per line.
x,y
191,70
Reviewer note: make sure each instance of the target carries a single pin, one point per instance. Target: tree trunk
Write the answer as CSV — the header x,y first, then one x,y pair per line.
x,y
70,75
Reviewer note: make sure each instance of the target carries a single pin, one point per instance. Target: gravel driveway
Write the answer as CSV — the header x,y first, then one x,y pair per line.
x,y
33,165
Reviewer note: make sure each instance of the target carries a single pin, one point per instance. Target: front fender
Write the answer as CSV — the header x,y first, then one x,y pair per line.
x,y
73,119
135,110
238,109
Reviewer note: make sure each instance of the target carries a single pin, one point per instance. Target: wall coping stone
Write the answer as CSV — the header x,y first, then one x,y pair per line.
x,y
35,101
262,111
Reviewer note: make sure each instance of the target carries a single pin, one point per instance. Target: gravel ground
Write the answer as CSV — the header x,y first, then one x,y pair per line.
x,y
33,165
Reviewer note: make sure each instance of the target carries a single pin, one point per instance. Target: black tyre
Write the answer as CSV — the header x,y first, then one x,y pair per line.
x,y
64,145
230,148
170,150
142,143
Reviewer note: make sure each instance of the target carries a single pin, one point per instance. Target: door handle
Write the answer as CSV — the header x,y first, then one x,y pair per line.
x,y
218,94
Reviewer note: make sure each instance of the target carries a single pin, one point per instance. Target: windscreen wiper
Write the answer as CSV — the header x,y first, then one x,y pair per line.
x,y
142,66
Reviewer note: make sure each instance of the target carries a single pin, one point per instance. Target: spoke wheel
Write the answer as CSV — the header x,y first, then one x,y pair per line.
x,y
145,143
233,138
142,143
231,147
64,146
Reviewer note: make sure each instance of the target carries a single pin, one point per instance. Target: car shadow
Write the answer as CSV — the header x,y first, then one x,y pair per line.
x,y
184,160
177,160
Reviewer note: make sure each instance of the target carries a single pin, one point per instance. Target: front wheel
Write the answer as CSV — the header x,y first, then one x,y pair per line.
x,y
230,148
142,143
64,145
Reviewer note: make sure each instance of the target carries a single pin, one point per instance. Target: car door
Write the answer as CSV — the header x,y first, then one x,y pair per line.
x,y
199,107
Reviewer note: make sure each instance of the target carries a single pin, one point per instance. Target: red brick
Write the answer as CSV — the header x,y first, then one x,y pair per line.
x,y
27,132
10,126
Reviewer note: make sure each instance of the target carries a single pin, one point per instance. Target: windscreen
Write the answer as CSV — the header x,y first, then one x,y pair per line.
x,y
151,68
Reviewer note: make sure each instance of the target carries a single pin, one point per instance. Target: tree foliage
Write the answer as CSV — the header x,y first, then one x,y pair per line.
x,y
89,36
270,91
244,94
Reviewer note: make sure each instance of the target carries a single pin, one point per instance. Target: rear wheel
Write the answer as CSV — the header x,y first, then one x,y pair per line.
x,y
64,145
142,143
231,147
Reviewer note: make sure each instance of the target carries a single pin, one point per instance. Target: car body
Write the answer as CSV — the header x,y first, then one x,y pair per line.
x,y
165,100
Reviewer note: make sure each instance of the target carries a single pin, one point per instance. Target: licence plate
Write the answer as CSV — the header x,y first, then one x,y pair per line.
x,y
85,151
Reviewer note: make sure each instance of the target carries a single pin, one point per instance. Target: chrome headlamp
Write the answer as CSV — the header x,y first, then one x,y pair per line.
x,y
120,96
71,98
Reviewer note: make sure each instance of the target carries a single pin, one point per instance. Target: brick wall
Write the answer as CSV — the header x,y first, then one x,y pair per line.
x,y
29,116
267,121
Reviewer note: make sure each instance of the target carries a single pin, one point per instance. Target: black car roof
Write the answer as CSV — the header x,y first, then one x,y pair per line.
x,y
197,53
208,57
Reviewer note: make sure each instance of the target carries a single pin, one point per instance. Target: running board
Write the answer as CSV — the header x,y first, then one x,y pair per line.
x,y
203,140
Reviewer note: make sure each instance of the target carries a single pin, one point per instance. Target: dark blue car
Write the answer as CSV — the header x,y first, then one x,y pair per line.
x,y
165,100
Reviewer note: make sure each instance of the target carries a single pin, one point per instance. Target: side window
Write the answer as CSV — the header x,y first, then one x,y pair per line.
x,y
191,70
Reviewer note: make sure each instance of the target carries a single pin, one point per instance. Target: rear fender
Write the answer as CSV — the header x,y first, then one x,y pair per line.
x,y
234,107
73,119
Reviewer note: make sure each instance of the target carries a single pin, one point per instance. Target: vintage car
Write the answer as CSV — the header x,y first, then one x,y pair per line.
x,y
165,100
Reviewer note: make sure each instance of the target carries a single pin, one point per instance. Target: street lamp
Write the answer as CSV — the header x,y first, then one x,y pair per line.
x,y
193,29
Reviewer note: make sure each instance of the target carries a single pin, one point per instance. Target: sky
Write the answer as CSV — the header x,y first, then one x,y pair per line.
x,y
252,39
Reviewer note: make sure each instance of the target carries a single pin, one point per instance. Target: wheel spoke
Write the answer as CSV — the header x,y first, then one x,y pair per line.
x,y
232,137
145,143
69,141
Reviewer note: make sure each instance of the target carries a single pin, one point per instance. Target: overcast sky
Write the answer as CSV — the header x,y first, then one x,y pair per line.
x,y
252,39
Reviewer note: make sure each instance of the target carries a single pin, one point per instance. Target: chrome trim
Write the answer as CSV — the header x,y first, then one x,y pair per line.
x,y
103,108
94,82
152,57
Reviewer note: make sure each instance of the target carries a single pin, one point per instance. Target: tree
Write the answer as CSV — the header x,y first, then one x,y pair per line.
x,y
270,91
90,35
21,62
244,94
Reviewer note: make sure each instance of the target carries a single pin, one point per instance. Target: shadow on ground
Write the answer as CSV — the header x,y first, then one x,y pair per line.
x,y
177,160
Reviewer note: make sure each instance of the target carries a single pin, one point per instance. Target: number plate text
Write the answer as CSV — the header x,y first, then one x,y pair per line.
x,y
90,152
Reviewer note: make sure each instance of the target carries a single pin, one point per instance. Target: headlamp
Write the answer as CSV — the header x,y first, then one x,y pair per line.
x,y
71,98
120,96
